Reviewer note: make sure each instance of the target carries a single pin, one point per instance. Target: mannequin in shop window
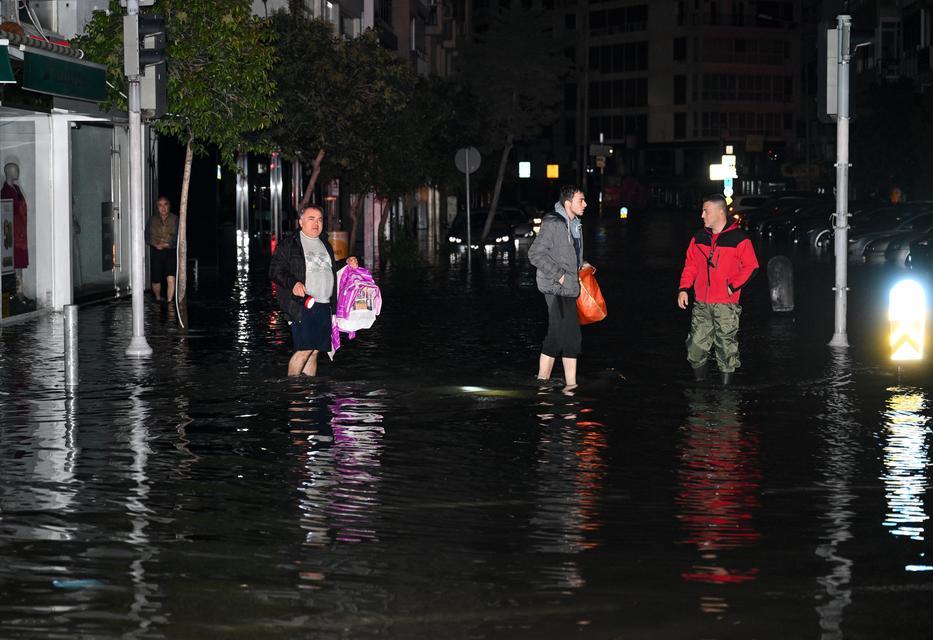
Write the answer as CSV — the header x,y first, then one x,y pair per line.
x,y
11,191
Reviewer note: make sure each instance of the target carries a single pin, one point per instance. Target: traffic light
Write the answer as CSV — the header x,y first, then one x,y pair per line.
x,y
143,42
144,56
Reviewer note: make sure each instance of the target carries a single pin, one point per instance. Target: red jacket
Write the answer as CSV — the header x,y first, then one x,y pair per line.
x,y
718,266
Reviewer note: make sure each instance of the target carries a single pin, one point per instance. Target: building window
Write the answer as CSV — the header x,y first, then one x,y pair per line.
x,y
384,10
680,126
570,21
680,89
570,96
680,49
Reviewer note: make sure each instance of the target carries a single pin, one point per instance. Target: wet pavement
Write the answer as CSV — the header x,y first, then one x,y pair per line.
x,y
422,487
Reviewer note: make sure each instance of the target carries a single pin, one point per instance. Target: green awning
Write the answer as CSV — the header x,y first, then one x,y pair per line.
x,y
6,70
66,77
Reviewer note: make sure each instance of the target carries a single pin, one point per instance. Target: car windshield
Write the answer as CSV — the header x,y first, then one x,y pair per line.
x,y
477,220
513,215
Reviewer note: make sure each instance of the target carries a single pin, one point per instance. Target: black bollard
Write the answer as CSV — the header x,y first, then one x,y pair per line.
x,y
781,282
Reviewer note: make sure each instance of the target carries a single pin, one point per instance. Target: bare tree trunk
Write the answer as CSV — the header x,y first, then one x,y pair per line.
x,y
498,189
383,219
312,181
181,277
356,208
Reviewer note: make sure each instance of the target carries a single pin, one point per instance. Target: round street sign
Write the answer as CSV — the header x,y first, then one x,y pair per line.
x,y
467,155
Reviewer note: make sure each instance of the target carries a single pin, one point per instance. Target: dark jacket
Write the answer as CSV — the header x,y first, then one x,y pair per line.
x,y
554,254
717,267
288,268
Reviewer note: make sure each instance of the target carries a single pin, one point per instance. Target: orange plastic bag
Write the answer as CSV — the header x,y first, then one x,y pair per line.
x,y
591,307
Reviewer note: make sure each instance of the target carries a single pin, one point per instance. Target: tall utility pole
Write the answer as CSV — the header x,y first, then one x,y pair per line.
x,y
138,346
583,93
843,27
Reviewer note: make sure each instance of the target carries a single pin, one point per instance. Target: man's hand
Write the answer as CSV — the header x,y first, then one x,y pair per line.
x,y
353,262
561,281
299,290
682,299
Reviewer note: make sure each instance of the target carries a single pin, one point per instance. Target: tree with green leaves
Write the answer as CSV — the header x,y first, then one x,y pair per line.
x,y
313,92
219,58
515,69
384,151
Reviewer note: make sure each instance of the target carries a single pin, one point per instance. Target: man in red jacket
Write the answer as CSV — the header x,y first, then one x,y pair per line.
x,y
720,262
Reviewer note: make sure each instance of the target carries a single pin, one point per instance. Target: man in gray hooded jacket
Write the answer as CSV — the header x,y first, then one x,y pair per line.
x,y
557,253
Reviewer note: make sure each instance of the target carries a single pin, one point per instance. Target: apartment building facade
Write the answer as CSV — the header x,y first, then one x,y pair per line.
x,y
669,83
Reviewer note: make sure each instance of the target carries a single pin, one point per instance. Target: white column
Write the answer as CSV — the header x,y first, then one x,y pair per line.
x,y
54,270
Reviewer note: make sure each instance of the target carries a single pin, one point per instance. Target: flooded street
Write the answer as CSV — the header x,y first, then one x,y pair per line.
x,y
424,487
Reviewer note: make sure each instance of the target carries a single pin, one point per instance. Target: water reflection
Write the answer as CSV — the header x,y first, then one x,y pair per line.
x,y
837,465
37,463
906,461
340,439
244,328
144,603
719,479
571,475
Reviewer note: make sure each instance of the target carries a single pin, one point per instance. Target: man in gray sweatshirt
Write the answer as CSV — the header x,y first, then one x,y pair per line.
x,y
557,253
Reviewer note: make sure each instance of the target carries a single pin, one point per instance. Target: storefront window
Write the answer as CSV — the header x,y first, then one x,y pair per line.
x,y
94,228
24,198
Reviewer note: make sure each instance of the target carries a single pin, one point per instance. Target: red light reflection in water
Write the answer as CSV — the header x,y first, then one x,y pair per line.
x,y
719,479
591,471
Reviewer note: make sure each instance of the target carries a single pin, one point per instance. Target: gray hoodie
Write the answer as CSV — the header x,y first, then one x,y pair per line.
x,y
554,255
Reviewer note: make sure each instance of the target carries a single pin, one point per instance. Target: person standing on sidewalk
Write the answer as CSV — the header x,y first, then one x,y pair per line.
x,y
162,238
304,272
720,262
557,254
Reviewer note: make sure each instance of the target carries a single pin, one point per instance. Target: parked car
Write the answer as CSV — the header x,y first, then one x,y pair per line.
x,y
781,228
862,219
877,235
500,234
520,223
747,203
778,204
920,256
899,249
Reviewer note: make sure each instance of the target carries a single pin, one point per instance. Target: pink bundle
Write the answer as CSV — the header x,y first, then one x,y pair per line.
x,y
359,301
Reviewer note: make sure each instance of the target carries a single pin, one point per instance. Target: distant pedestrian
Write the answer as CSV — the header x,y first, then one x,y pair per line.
x,y
720,262
304,272
162,238
557,253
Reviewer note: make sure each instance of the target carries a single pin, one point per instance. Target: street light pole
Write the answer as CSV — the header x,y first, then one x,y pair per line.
x,y
138,346
843,26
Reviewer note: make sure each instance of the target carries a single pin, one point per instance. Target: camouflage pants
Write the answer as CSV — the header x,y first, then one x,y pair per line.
x,y
714,326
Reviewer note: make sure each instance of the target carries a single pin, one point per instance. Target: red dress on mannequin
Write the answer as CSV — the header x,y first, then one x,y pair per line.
x,y
20,239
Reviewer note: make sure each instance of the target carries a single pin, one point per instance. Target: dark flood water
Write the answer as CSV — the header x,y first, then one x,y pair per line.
x,y
422,487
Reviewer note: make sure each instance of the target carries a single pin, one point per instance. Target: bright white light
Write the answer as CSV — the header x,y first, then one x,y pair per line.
x,y
907,314
623,213
524,169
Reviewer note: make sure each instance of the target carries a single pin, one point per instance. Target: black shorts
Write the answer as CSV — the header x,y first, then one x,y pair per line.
x,y
563,328
312,331
161,264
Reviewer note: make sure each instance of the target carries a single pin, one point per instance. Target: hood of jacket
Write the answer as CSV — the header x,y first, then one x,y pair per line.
x,y
574,225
